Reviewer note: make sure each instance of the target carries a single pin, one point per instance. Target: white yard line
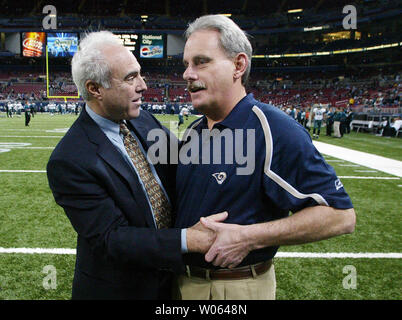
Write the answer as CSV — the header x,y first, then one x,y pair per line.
x,y
326,255
374,178
38,250
340,255
383,164
32,147
372,161
19,171
31,136
340,177
349,165
25,130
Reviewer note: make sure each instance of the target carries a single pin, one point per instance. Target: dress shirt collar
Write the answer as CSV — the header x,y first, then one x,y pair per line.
x,y
109,127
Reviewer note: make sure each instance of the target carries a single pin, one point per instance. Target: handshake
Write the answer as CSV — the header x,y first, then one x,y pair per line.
x,y
225,245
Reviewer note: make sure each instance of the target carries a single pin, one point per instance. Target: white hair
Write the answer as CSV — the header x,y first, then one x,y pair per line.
x,y
233,40
89,62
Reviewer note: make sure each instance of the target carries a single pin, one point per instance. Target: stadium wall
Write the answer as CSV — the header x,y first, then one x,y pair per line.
x,y
13,42
175,45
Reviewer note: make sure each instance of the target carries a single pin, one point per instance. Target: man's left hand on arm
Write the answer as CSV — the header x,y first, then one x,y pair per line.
x,y
230,246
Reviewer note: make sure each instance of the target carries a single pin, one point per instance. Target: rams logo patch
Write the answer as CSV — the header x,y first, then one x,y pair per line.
x,y
338,184
220,177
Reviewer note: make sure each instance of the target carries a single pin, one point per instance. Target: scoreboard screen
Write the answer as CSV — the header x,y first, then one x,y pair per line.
x,y
129,40
62,44
152,46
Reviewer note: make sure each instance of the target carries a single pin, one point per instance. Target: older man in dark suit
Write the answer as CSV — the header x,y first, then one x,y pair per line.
x,y
120,205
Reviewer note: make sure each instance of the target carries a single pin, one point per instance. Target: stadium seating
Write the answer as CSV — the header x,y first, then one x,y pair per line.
x,y
373,92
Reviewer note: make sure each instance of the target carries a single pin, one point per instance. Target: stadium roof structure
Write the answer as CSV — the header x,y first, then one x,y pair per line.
x,y
189,8
292,31
253,16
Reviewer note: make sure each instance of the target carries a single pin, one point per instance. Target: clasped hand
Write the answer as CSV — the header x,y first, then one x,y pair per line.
x,y
223,244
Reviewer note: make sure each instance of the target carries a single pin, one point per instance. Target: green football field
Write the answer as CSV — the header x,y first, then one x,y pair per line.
x,y
364,265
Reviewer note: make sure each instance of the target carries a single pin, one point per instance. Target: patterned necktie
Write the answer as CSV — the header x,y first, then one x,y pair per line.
x,y
159,202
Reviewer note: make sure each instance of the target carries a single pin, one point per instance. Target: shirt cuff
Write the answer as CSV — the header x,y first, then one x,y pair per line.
x,y
184,241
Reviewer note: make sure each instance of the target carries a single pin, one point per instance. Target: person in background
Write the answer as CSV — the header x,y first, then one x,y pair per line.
x,y
329,121
318,115
343,120
27,113
307,119
349,118
337,123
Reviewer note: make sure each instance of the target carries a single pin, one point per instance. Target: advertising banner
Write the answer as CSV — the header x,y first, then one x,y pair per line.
x,y
152,46
33,44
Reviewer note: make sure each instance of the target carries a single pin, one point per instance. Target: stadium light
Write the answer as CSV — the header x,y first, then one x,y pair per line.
x,y
326,53
295,10
315,28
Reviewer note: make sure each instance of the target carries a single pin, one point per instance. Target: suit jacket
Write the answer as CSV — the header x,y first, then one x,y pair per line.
x,y
120,253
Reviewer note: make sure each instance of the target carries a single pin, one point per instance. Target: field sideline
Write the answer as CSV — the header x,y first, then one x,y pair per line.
x,y
30,220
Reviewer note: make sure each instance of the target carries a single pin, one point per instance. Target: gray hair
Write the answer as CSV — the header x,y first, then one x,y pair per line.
x,y
89,62
233,40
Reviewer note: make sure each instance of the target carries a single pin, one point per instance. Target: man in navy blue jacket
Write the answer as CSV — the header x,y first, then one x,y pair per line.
x,y
122,253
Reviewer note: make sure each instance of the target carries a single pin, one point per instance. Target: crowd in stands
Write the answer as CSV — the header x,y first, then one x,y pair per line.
x,y
364,93
374,92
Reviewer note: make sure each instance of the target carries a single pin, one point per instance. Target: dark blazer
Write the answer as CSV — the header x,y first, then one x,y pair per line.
x,y
120,254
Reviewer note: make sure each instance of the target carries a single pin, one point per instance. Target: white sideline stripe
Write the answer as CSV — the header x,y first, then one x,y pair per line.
x,y
365,159
327,255
41,171
374,178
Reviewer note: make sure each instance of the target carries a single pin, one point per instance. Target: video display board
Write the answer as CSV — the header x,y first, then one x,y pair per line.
x,y
152,46
33,44
129,40
62,44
